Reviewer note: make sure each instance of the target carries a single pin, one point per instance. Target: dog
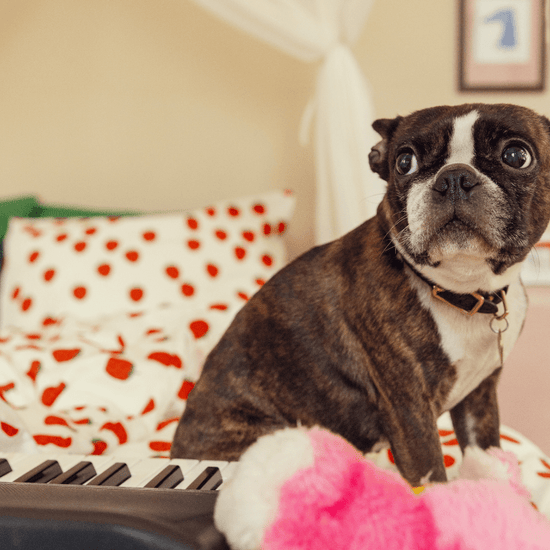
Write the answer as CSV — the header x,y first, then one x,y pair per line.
x,y
411,314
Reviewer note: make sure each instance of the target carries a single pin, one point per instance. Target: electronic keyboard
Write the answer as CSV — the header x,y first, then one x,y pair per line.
x,y
77,502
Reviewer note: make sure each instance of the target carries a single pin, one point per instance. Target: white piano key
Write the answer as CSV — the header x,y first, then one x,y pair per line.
x,y
13,458
186,464
198,469
99,461
227,472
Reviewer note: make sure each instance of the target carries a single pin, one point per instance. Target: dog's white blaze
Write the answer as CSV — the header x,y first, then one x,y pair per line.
x,y
462,142
417,207
469,342
461,150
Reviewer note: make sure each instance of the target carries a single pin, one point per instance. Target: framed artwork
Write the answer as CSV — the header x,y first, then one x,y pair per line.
x,y
502,45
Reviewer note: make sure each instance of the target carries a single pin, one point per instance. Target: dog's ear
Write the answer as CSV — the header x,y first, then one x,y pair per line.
x,y
378,156
546,123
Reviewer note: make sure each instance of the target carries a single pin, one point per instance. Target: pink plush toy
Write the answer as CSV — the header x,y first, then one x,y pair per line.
x,y
308,489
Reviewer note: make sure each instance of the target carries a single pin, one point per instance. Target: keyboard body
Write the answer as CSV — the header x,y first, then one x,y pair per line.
x,y
48,516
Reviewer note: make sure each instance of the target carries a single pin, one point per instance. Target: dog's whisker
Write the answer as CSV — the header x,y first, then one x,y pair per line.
x,y
397,236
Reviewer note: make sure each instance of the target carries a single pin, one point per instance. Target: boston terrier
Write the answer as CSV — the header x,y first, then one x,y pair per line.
x,y
411,314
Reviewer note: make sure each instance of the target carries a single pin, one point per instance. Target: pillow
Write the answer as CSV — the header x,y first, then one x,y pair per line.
x,y
215,257
30,207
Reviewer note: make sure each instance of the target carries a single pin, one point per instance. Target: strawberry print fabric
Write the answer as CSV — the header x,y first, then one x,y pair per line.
x,y
106,322
534,464
92,388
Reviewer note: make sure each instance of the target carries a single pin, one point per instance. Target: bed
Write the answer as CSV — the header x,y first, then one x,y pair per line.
x,y
106,319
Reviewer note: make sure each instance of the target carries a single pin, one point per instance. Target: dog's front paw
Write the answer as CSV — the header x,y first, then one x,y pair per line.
x,y
493,464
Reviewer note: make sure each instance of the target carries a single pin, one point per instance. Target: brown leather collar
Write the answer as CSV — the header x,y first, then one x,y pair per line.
x,y
468,304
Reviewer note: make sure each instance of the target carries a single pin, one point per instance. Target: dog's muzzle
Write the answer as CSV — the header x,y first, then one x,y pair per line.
x,y
456,182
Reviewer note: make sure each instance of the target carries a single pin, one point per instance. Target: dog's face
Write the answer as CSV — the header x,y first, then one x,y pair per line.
x,y
470,180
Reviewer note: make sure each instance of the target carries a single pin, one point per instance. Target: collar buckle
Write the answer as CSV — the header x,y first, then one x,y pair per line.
x,y
436,291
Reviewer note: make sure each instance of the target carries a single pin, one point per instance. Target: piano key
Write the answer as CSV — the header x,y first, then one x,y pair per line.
x,y
227,472
198,470
112,476
168,478
65,460
143,470
185,464
139,472
77,475
208,480
101,462
14,458
44,472
5,467
22,465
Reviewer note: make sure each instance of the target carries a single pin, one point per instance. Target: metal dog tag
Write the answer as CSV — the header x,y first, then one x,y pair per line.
x,y
500,348
498,331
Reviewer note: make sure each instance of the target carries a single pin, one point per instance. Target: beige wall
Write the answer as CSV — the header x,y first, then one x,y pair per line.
x,y
146,104
419,69
160,106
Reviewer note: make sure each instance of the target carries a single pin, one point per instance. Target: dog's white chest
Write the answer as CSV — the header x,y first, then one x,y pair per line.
x,y
469,342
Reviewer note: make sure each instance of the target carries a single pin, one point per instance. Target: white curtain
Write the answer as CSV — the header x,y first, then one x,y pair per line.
x,y
347,191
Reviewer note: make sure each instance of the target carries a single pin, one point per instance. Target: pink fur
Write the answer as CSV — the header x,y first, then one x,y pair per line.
x,y
514,473
345,502
478,515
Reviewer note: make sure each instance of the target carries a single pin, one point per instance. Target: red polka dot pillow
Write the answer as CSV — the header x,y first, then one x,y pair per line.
x,y
86,268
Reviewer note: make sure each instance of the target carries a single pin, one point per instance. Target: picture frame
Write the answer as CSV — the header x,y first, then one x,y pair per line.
x,y
502,45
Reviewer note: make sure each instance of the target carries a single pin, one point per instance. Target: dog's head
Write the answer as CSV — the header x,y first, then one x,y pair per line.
x,y
470,180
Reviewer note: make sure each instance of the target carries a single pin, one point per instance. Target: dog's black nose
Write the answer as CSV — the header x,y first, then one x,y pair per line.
x,y
456,182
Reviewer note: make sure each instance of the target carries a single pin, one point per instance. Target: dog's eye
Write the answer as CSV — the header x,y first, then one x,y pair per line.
x,y
516,157
406,164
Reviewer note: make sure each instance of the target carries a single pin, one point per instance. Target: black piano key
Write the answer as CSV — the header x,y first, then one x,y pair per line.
x,y
77,475
168,478
5,467
42,473
209,480
112,477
